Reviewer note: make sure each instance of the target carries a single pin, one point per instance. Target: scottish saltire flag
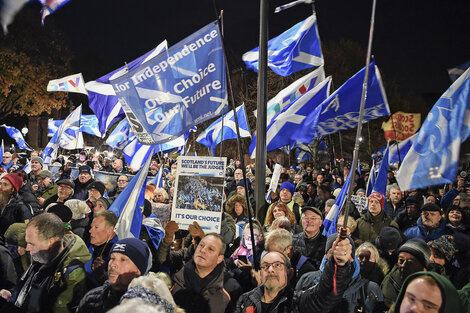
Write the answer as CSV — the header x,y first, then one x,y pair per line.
x,y
17,136
158,181
341,110
102,98
212,136
434,155
331,218
2,150
50,6
288,95
27,168
72,121
119,137
177,90
371,179
129,205
89,125
454,73
302,155
398,151
71,83
381,179
295,49
53,126
285,126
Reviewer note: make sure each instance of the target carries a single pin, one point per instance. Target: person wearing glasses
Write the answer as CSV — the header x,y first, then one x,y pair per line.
x,y
122,182
311,243
275,295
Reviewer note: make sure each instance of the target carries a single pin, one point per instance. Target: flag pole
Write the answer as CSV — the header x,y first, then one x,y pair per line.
x,y
359,126
240,152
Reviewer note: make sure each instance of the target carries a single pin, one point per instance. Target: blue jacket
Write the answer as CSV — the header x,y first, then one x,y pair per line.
x,y
424,233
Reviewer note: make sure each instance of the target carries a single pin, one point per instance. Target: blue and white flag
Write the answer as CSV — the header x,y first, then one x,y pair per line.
x,y
371,179
72,121
2,150
120,136
295,49
129,205
399,150
434,155
174,91
381,180
331,218
158,181
285,126
18,137
102,98
454,73
341,110
212,136
89,125
27,167
288,95
53,126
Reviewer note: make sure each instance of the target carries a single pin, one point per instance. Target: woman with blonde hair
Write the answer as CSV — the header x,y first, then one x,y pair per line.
x,y
373,267
161,206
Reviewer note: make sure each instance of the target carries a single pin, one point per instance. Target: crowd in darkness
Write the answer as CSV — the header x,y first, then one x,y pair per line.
x,y
407,251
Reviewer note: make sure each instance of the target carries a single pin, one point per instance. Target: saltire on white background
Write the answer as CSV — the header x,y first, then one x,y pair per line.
x,y
288,95
102,98
285,126
296,49
16,135
331,218
71,83
129,205
73,120
341,110
212,135
434,155
177,90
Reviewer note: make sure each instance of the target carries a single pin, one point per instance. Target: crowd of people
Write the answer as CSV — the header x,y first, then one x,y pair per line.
x,y
407,251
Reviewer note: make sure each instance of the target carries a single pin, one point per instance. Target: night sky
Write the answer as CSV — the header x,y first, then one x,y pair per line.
x,y
415,42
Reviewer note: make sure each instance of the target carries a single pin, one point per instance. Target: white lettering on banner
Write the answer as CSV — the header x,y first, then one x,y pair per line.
x,y
184,84
216,85
149,72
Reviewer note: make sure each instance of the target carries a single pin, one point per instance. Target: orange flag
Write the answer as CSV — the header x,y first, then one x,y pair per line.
x,y
401,126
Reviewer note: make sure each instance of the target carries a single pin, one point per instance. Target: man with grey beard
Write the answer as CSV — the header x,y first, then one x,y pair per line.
x,y
55,281
12,208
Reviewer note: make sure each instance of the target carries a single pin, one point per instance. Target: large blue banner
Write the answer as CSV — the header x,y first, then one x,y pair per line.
x,y
177,89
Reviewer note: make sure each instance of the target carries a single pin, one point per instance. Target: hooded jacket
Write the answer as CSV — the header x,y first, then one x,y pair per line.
x,y
58,285
450,298
427,234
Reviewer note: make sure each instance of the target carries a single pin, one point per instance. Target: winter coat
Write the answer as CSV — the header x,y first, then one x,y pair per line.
x,y
359,293
369,226
404,221
319,298
14,212
8,275
391,286
58,285
393,212
81,191
27,196
49,191
218,288
100,299
313,248
450,297
427,234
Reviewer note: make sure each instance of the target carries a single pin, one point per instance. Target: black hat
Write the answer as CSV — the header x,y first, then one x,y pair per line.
x,y
67,182
84,169
313,209
389,239
419,249
62,211
413,200
431,207
98,186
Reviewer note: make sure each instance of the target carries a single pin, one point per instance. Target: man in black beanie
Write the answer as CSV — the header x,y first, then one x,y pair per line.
x,y
130,258
413,256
